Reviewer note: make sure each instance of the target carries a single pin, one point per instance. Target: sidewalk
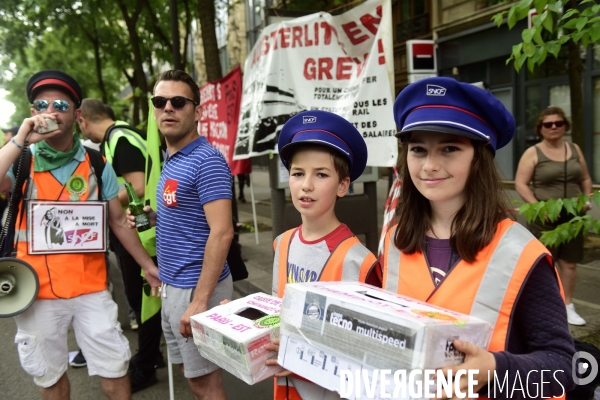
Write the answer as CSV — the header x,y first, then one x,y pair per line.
x,y
260,256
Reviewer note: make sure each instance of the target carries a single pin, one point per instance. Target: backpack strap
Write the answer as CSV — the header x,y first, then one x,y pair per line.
x,y
21,170
98,164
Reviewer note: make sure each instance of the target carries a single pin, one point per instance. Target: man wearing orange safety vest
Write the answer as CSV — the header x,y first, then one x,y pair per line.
x,y
323,153
68,205
454,247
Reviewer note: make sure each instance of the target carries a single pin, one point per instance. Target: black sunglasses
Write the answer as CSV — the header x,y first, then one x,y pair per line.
x,y
59,105
548,125
178,102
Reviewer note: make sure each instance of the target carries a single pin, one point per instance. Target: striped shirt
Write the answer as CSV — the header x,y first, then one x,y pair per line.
x,y
192,177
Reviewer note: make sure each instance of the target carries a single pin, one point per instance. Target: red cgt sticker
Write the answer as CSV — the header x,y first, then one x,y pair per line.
x,y
170,193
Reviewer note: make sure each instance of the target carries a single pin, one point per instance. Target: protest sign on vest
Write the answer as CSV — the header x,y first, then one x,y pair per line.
x,y
220,101
324,62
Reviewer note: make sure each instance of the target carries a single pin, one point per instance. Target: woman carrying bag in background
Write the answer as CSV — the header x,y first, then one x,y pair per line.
x,y
556,169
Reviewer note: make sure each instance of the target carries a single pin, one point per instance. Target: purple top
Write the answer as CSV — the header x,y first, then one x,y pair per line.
x,y
539,340
438,257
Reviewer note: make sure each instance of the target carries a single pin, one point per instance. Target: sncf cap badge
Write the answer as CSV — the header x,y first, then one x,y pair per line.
x,y
307,119
170,193
435,90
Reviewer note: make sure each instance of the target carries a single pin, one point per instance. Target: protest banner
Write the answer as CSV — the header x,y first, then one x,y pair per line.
x,y
220,101
324,62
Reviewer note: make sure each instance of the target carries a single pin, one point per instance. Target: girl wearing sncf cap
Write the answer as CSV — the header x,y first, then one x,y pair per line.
x,y
454,247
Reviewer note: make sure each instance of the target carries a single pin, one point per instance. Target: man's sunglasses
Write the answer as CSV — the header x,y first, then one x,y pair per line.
x,y
178,102
548,125
59,105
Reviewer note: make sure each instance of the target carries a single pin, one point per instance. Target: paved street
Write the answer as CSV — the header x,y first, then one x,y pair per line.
x,y
16,384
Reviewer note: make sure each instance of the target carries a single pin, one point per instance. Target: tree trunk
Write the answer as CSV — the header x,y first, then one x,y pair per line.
x,y
188,29
98,62
140,75
138,66
175,36
135,112
206,12
135,117
575,85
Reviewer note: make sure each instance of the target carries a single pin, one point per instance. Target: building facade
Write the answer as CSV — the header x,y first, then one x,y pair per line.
x,y
470,48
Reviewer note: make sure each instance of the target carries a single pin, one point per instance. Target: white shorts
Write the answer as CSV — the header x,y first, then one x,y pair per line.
x,y
42,337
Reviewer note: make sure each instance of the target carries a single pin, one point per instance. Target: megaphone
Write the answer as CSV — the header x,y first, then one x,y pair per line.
x,y
19,286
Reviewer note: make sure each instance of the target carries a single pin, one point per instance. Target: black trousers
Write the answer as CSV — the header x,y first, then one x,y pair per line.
x,y
242,179
149,332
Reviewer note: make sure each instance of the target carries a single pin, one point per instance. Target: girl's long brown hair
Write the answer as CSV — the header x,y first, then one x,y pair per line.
x,y
475,223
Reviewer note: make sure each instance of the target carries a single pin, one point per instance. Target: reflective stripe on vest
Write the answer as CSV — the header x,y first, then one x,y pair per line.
x,y
349,261
134,138
32,193
489,286
148,237
62,275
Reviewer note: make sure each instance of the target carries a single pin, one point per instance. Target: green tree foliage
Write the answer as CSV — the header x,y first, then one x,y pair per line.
x,y
558,23
552,28
52,53
104,44
550,211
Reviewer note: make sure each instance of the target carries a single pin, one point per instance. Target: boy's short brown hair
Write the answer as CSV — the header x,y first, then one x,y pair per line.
x,y
340,163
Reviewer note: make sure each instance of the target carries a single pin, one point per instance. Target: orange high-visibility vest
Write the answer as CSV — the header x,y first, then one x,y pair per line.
x,y
349,261
487,288
62,276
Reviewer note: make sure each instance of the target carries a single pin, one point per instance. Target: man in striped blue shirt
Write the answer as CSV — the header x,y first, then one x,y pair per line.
x,y
194,227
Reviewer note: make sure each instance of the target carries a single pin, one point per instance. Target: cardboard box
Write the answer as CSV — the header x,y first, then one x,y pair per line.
x,y
327,327
234,335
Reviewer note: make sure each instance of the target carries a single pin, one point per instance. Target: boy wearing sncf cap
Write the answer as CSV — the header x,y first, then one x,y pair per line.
x,y
455,248
73,283
323,153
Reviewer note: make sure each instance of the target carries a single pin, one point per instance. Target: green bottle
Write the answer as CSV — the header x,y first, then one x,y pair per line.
x,y
136,207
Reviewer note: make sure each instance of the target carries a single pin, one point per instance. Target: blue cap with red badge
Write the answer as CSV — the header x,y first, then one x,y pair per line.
x,y
325,129
446,105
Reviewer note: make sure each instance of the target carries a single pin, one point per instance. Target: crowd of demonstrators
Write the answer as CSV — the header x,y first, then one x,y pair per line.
x,y
193,227
322,156
556,169
125,149
457,248
454,247
73,286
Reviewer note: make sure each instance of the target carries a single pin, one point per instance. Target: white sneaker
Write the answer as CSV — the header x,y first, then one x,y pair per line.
x,y
134,324
572,317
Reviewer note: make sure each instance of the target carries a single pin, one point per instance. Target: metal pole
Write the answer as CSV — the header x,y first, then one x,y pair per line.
x,y
253,208
170,366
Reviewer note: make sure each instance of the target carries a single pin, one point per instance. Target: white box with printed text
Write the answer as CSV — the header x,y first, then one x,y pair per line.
x,y
235,335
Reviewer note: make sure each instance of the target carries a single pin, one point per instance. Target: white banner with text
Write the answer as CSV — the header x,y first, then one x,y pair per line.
x,y
321,62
